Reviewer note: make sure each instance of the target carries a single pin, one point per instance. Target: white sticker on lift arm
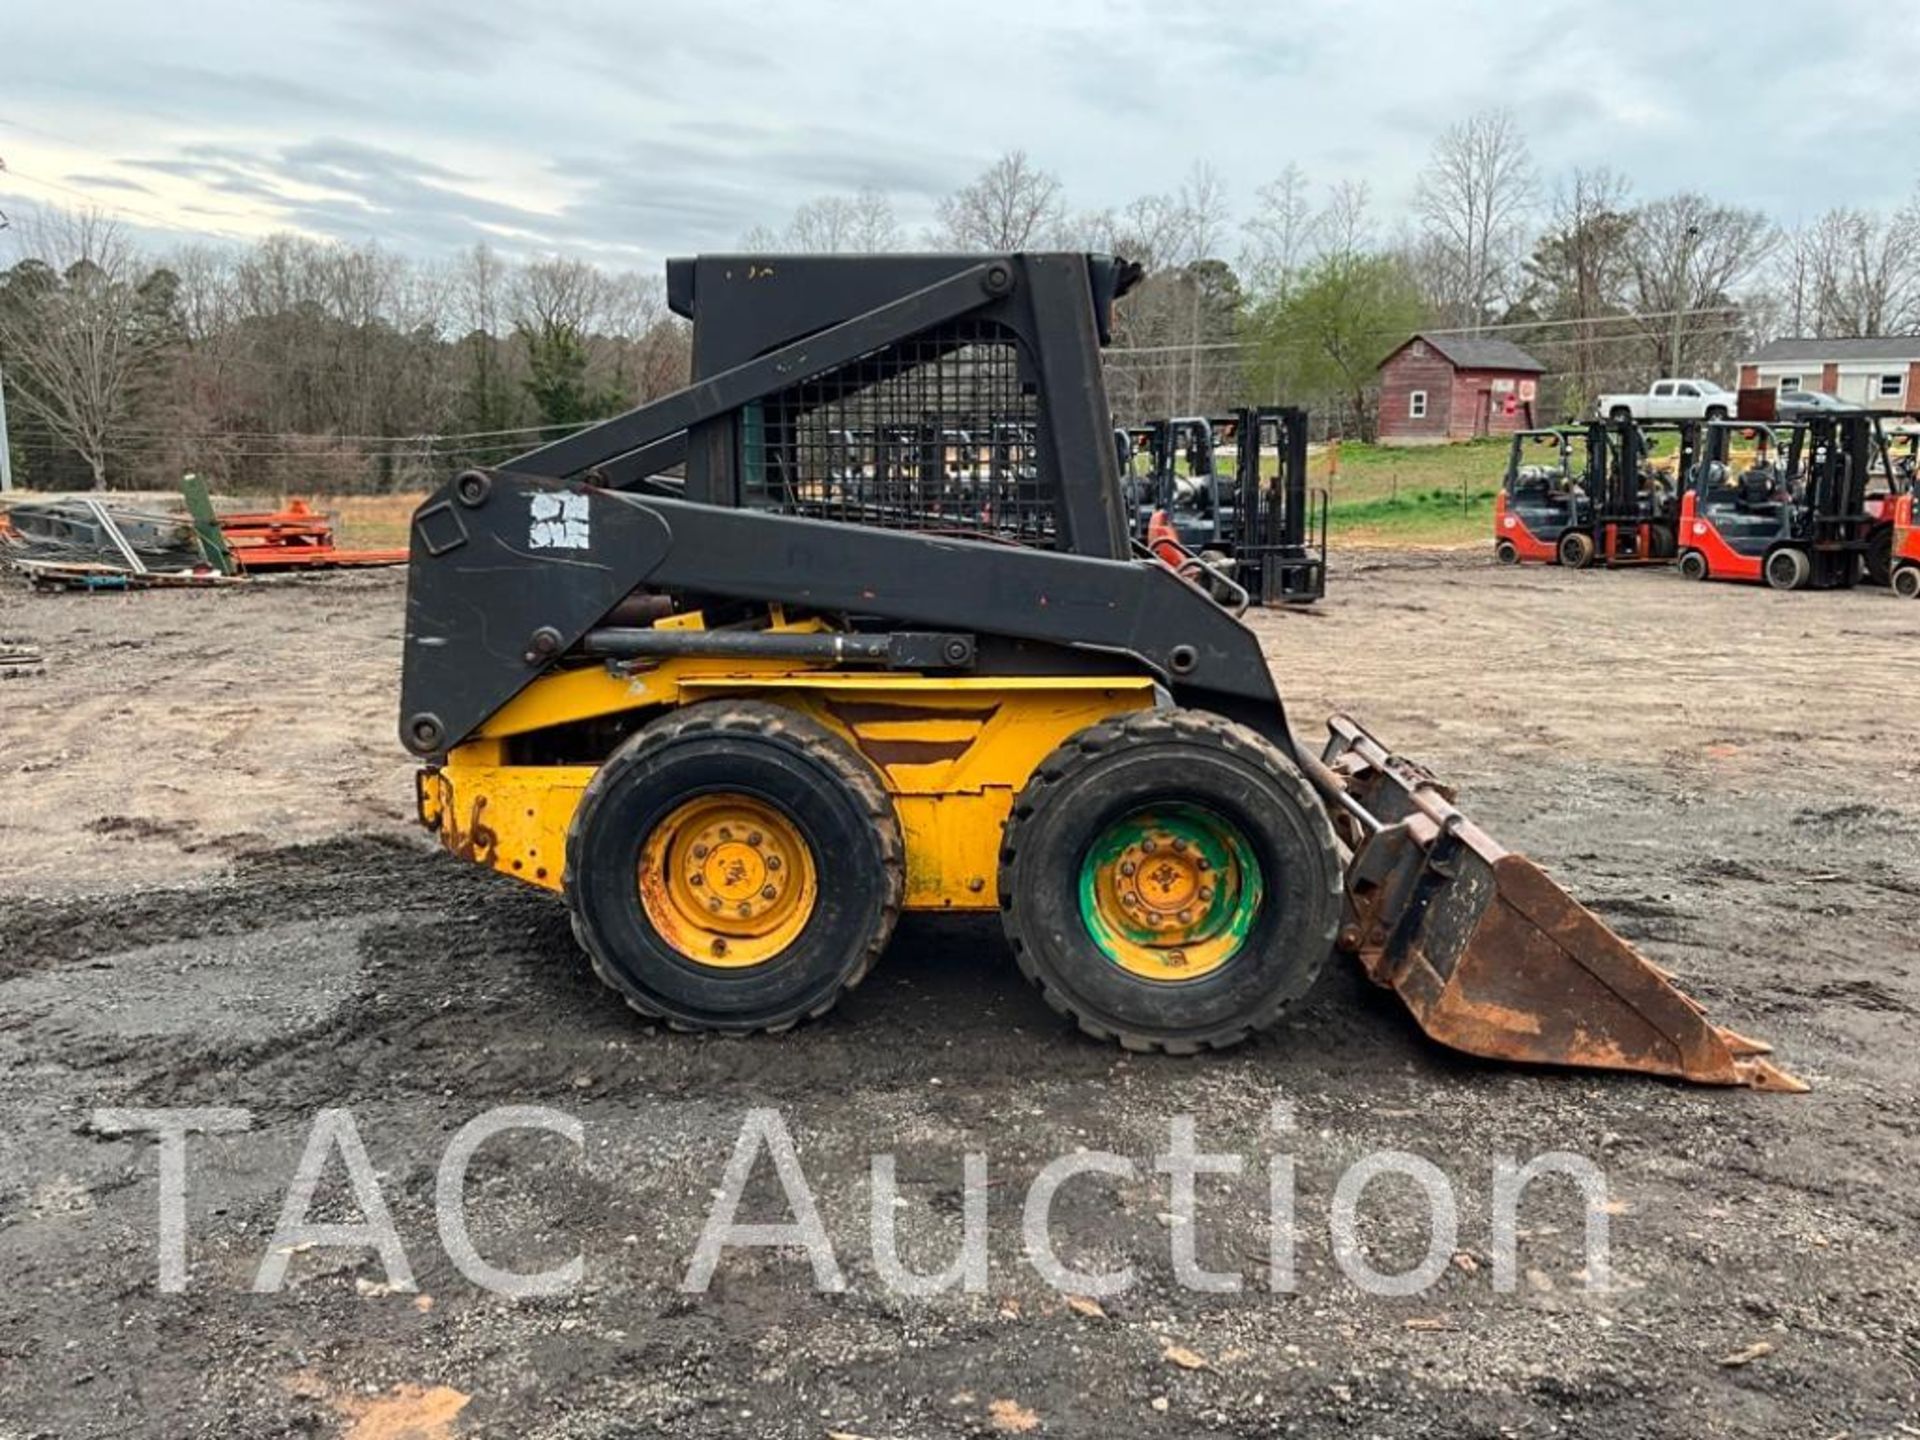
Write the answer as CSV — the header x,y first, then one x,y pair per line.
x,y
559,522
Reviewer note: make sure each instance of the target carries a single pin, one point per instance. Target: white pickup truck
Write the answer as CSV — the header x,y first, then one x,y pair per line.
x,y
1672,400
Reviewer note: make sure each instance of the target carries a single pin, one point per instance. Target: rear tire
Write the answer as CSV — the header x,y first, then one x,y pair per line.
x,y
1620,413
1906,582
1716,412
1789,568
1575,550
633,852
1693,565
1506,552
1164,769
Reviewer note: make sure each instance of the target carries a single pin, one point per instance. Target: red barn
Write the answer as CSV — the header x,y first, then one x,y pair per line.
x,y
1437,388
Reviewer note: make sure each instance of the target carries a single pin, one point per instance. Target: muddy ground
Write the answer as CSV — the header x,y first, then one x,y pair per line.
x,y
213,897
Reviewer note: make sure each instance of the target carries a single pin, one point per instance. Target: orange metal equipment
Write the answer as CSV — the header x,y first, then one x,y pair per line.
x,y
296,538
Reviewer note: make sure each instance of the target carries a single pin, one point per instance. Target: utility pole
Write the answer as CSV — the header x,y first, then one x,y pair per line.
x,y
1680,296
6,453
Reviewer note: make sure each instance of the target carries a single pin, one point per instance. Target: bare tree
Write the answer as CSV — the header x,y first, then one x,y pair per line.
x,y
1344,228
83,331
1688,257
1280,233
1204,214
862,223
1865,272
1473,201
1791,299
1012,205
1578,275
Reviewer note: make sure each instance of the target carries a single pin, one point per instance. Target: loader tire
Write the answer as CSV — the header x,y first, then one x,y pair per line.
x,y
1906,582
1693,565
1506,552
1216,800
734,867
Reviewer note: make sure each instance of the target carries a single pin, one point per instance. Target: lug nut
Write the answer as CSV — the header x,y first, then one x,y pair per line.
x,y
1206,893
753,837
773,862
1201,865
1126,867
745,909
726,832
1186,917
714,904
767,892
719,947
696,879
1179,844
699,852
1149,844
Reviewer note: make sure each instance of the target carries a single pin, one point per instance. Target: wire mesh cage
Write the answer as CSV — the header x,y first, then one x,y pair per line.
x,y
939,433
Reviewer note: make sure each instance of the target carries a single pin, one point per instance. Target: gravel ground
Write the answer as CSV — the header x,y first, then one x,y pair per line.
x,y
214,897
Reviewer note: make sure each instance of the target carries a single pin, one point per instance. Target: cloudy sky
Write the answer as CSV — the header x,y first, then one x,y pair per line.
x,y
623,132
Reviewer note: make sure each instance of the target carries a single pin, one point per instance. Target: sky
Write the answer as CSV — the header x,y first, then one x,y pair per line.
x,y
622,133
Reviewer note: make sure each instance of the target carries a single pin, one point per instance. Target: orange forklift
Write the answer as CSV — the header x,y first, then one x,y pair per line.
x,y
1794,515
1603,499
1894,556
1545,496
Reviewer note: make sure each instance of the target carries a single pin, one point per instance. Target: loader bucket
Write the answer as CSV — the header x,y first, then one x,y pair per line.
x,y
1489,953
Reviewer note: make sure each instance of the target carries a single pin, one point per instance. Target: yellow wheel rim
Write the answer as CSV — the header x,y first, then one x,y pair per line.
x,y
1170,893
727,880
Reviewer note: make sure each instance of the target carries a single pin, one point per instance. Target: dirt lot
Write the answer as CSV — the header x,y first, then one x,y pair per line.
x,y
214,897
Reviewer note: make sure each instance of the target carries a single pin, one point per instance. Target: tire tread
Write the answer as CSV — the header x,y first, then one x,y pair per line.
x,y
759,718
1164,725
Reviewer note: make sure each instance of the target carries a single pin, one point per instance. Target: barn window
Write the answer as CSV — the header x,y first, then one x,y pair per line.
x,y
1417,405
1892,387
1420,349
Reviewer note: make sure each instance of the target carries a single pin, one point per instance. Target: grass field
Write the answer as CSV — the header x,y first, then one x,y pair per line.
x,y
368,522
1379,495
1424,495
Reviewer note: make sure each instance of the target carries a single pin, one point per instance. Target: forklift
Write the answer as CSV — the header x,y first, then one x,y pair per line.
x,y
1597,497
1264,533
1545,495
1899,459
1903,527
739,722
1793,515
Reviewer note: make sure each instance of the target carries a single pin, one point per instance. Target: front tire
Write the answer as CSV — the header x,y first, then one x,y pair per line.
x,y
1620,413
1693,565
734,867
1789,568
1576,549
1169,881
1906,582
1879,556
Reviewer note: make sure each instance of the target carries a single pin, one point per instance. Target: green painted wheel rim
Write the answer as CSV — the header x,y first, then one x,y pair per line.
x,y
1170,892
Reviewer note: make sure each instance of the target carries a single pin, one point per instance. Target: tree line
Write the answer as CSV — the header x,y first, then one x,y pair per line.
x,y
312,365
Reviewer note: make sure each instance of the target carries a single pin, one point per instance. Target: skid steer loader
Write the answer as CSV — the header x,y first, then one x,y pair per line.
x,y
742,717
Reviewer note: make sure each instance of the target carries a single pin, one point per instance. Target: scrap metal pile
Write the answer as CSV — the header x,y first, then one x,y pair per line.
x,y
86,543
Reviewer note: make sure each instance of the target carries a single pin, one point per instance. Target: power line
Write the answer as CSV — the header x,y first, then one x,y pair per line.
x,y
1465,330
